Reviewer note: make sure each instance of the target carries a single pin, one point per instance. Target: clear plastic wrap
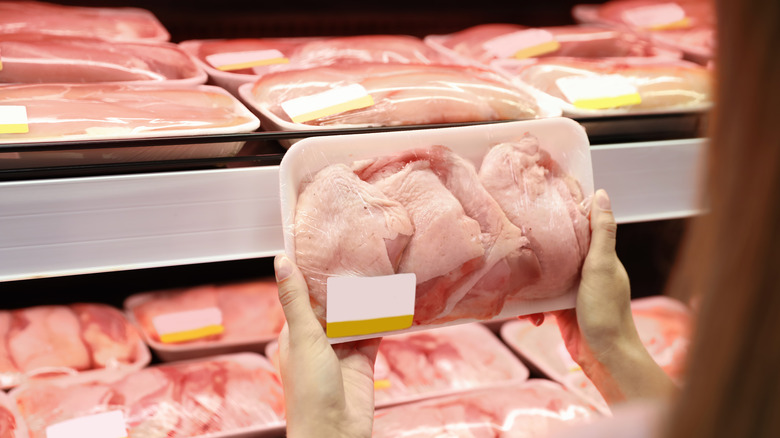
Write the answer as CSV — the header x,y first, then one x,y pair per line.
x,y
400,95
250,311
474,43
253,58
225,396
11,423
415,203
106,23
535,408
46,341
39,58
75,112
664,326
663,86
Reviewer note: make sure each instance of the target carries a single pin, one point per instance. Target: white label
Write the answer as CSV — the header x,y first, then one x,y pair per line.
x,y
104,425
326,103
360,298
606,88
188,325
240,60
654,15
507,46
13,119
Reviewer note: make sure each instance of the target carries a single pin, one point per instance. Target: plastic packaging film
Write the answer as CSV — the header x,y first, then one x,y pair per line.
x,y
11,423
441,206
56,340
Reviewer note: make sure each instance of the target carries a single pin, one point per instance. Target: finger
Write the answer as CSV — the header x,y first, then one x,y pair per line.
x,y
294,297
603,225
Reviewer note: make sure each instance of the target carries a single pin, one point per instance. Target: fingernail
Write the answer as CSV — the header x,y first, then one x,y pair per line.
x,y
602,199
282,266
539,319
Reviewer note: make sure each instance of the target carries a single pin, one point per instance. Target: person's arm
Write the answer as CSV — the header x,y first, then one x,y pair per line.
x,y
600,333
328,390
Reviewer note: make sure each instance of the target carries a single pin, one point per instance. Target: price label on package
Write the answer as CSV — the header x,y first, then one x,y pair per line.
x,y
522,44
1,61
327,103
599,92
241,60
367,305
104,425
662,16
13,119
188,325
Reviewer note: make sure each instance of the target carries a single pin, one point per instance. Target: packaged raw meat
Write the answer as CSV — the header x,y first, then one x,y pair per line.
x,y
224,396
105,23
359,95
664,326
217,318
418,229
592,88
40,58
233,62
76,112
46,341
535,408
11,423
488,42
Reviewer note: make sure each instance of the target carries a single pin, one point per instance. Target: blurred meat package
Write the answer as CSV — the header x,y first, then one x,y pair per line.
x,y
481,222
208,319
11,423
219,396
54,340
535,408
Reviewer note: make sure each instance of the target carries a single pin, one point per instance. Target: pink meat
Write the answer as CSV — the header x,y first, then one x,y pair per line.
x,y
108,335
250,310
539,197
700,12
345,226
52,19
197,298
665,332
203,395
403,94
47,336
7,366
255,396
37,58
151,399
7,423
452,248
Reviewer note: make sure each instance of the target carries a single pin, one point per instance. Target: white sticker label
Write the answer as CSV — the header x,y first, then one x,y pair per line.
x,y
13,119
598,92
327,103
522,44
104,425
366,305
657,16
188,325
240,60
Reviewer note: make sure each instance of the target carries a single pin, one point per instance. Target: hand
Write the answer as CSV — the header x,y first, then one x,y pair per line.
x,y
329,390
600,333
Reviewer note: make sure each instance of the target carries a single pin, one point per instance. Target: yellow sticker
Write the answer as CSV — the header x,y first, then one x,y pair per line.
x,y
1,61
188,325
368,326
327,103
382,384
541,49
241,60
522,44
13,119
599,91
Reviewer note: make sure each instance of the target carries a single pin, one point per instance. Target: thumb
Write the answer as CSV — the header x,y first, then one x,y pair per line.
x,y
294,297
602,224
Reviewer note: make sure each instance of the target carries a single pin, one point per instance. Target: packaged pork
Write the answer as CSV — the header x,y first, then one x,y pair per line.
x,y
444,361
593,88
532,409
664,326
40,58
486,43
209,319
413,230
11,423
361,95
77,112
233,62
45,341
102,22
226,396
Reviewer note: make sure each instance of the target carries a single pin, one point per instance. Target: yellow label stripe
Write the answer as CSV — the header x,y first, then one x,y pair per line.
x,y
250,64
362,102
14,128
679,24
1,64
609,102
189,335
541,49
368,326
381,384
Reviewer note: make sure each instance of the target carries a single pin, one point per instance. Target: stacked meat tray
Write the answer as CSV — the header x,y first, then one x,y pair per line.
x,y
449,234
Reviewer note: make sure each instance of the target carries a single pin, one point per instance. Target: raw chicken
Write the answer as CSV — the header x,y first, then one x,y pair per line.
x,y
7,366
111,340
38,58
68,111
701,13
547,204
531,409
369,244
402,94
106,23
460,234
